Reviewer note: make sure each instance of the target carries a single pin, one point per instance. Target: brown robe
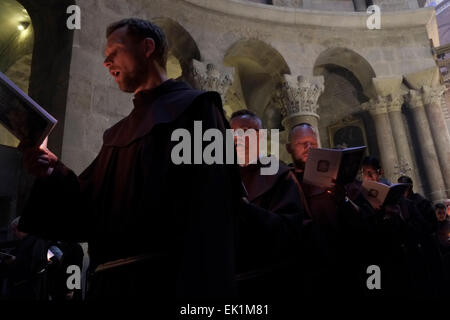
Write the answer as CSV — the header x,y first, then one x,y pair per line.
x,y
269,234
133,200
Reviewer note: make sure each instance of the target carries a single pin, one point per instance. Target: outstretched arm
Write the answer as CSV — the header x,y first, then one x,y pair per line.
x,y
57,206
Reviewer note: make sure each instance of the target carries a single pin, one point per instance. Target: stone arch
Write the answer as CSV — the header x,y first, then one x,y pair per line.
x,y
258,70
347,84
350,60
260,52
16,47
182,48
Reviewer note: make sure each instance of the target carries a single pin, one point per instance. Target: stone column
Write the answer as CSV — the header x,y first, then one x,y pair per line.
x,y
427,147
297,98
405,160
432,98
206,76
378,108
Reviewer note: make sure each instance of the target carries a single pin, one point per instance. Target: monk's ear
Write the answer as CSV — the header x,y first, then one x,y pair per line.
x,y
149,47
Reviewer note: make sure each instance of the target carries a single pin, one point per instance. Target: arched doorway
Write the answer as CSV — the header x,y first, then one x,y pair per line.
x,y
347,85
182,49
258,69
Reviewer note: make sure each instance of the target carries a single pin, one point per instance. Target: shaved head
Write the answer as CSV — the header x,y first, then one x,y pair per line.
x,y
302,138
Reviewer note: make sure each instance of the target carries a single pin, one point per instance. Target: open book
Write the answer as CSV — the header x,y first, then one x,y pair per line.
x,y
379,194
22,116
326,165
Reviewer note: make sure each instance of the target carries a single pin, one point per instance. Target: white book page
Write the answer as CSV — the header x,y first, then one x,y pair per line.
x,y
375,193
322,167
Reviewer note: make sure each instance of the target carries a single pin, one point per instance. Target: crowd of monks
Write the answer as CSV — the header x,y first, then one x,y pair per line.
x,y
221,231
321,242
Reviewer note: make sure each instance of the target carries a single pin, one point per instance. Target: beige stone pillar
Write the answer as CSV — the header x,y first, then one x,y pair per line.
x,y
432,97
297,98
378,108
427,146
405,164
393,90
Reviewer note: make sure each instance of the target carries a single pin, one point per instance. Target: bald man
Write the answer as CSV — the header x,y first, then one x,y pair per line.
x,y
301,139
328,250
270,227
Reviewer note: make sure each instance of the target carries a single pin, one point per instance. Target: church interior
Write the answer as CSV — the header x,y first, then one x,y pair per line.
x,y
289,61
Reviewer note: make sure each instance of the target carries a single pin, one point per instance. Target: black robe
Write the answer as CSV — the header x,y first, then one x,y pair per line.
x,y
269,234
332,245
134,200
403,248
25,278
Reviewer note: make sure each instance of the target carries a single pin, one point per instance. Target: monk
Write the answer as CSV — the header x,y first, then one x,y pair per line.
x,y
270,226
156,230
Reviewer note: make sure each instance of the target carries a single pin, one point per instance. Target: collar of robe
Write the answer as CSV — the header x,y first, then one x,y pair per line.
x,y
162,104
257,184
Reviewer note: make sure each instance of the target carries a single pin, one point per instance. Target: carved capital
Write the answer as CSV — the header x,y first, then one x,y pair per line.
x,y
433,95
395,103
298,96
402,168
206,76
414,99
377,106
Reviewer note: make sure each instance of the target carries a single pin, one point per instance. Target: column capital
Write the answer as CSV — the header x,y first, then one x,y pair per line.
x,y
392,85
425,77
298,96
433,95
377,106
208,77
414,99
396,103
403,167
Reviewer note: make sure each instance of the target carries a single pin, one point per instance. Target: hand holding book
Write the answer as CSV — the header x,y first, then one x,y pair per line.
x,y
337,191
380,195
326,168
39,161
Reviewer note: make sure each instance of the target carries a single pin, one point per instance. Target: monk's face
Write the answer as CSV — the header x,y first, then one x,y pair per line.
x,y
369,173
125,59
303,139
441,214
246,122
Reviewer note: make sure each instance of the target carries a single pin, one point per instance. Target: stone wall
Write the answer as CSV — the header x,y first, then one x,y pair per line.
x,y
396,5
330,5
343,5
